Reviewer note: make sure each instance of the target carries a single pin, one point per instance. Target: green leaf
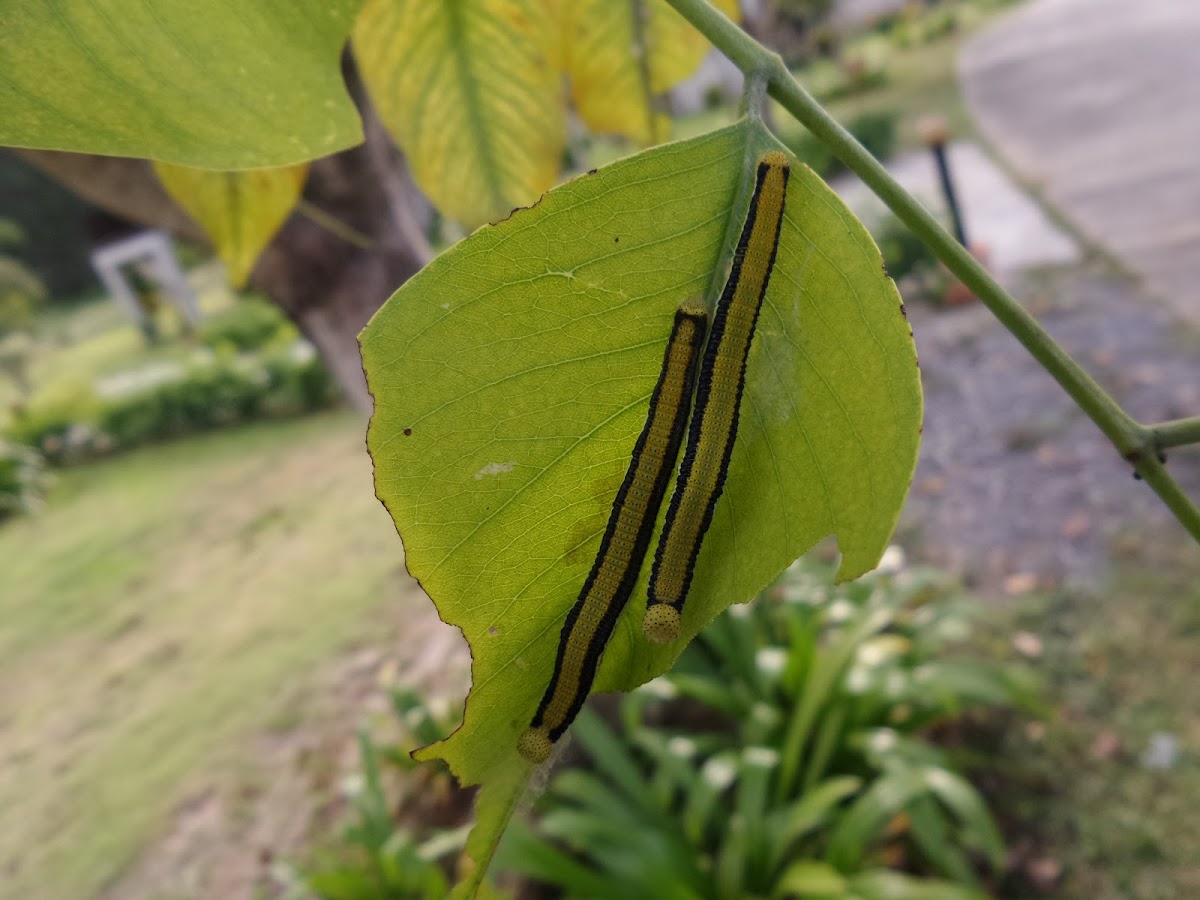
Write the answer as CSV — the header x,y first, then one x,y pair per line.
x,y
827,671
585,788
524,852
956,684
792,822
344,884
703,811
826,741
867,818
512,376
931,832
742,843
495,805
469,90
612,758
808,878
961,798
706,689
223,84
239,211
883,884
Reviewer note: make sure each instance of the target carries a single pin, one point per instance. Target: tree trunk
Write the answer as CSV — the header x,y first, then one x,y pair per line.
x,y
331,285
329,281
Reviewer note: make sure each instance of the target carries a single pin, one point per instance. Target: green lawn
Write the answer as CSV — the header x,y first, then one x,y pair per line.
x,y
154,612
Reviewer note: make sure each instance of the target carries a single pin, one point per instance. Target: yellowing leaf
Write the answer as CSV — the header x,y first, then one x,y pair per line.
x,y
239,211
607,86
513,375
619,54
469,91
224,84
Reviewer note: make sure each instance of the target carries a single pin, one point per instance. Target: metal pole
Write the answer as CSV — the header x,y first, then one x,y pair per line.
x,y
935,133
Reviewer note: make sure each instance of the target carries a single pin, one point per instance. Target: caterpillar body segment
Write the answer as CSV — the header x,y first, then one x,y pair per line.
x,y
722,380
626,540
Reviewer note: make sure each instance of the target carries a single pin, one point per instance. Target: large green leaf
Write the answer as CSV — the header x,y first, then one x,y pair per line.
x,y
239,211
512,376
469,90
224,84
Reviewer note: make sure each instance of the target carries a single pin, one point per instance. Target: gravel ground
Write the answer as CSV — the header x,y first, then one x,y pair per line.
x,y
1016,489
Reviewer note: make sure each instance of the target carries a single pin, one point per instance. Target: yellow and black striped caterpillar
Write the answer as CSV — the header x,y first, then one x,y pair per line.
x,y
626,539
719,394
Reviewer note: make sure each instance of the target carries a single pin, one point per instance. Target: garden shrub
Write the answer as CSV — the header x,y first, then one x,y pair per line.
x,y
20,288
787,754
23,479
925,26
813,153
250,324
171,398
16,355
58,422
856,71
874,130
903,252
378,858
296,380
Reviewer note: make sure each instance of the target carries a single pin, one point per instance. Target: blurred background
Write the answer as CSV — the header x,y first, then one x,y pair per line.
x,y
213,662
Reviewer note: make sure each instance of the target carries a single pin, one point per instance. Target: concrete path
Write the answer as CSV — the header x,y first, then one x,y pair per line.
x,y
997,214
1097,103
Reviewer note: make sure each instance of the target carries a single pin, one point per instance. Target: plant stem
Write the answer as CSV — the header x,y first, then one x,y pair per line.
x,y
334,225
1176,433
641,50
1155,474
1131,440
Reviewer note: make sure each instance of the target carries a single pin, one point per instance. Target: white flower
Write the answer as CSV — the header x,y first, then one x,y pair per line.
x,y
840,611
879,650
939,780
762,757
954,629
882,740
660,689
719,772
892,561
771,661
302,351
683,747
858,679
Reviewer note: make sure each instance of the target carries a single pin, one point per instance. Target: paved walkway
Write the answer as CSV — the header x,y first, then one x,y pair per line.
x,y
1097,103
997,214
